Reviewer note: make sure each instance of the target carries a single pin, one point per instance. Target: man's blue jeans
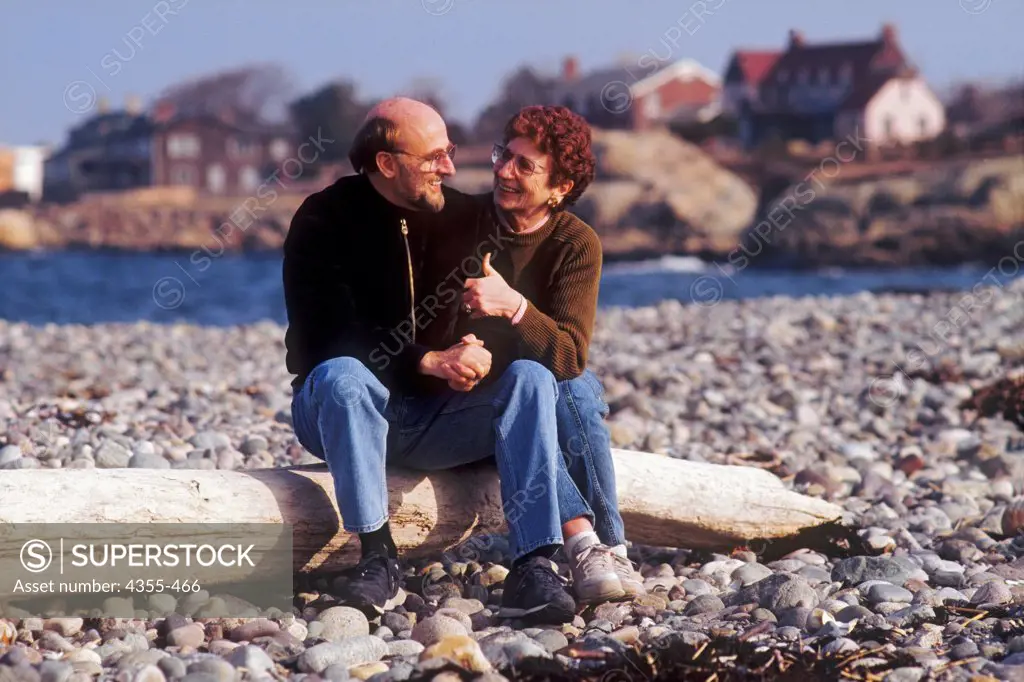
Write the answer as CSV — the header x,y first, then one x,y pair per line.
x,y
347,417
586,445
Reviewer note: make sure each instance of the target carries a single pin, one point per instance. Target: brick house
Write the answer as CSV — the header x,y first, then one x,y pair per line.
x,y
219,155
817,92
636,97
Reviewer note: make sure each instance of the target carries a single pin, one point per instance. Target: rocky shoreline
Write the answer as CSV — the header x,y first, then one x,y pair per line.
x,y
654,195
859,399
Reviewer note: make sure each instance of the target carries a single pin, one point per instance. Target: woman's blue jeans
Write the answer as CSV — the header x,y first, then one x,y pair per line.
x,y
586,446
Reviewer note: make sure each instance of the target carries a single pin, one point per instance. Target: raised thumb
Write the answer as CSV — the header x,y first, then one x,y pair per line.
x,y
488,269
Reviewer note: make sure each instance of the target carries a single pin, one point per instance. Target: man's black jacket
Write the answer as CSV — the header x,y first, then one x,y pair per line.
x,y
366,279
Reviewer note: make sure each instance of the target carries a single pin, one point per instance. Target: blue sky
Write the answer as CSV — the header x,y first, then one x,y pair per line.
x,y
53,54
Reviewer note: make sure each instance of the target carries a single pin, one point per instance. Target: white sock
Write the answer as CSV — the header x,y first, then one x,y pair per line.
x,y
620,550
580,541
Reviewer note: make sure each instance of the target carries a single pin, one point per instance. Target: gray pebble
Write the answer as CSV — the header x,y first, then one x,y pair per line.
x,y
112,455
748,574
963,650
405,647
217,668
9,453
855,570
992,593
210,440
840,646
254,444
707,603
396,621
148,461
252,658
697,587
55,671
551,640
172,666
890,593
348,652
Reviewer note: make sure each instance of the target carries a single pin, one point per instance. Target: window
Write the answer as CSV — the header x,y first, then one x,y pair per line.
x,y
846,73
905,90
279,149
182,175
922,126
783,76
823,76
802,76
216,178
240,148
248,178
889,125
183,146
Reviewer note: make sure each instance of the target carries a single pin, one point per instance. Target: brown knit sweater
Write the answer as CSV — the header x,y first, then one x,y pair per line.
x,y
558,269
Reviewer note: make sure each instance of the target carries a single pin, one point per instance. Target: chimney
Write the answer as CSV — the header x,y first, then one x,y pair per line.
x,y
163,111
570,69
796,38
133,105
102,105
888,33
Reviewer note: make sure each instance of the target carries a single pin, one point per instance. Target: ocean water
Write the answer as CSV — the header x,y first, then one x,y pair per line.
x,y
81,287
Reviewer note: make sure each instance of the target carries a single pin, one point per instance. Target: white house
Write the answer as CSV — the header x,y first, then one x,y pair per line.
x,y
27,173
820,91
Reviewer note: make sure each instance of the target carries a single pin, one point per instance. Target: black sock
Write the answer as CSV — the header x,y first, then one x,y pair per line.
x,y
546,551
379,542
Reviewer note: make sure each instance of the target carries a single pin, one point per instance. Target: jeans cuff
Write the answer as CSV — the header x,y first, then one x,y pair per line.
x,y
522,551
368,528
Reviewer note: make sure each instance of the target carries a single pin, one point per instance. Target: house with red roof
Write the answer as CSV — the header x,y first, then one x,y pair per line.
x,y
819,91
639,95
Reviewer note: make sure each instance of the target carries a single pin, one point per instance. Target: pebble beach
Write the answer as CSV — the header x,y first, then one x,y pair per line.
x,y
858,400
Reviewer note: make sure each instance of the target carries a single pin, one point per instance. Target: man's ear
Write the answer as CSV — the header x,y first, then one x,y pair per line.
x,y
386,164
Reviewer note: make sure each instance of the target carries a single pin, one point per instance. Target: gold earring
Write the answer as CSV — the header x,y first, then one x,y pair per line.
x,y
553,201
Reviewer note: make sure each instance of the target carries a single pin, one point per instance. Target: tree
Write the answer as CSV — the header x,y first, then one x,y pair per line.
x,y
430,91
520,89
334,111
258,92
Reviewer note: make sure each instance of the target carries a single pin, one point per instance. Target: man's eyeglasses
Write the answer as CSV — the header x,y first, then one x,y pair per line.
x,y
436,160
500,155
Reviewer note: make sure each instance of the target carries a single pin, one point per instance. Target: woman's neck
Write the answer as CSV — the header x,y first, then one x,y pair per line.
x,y
524,222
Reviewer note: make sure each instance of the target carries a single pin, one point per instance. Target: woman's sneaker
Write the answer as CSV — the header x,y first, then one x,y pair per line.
x,y
534,592
594,576
630,579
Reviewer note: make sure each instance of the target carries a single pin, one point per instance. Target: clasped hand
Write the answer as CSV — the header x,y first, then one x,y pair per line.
x,y
463,365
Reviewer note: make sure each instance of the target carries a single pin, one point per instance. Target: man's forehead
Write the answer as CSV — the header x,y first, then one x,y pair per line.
x,y
423,136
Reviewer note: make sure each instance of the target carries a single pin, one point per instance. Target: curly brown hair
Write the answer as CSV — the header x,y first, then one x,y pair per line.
x,y
563,134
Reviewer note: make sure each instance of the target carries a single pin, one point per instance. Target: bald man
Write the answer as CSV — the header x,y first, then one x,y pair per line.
x,y
373,266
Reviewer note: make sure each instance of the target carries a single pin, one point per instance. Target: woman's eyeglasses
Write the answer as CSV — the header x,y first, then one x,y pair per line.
x,y
500,155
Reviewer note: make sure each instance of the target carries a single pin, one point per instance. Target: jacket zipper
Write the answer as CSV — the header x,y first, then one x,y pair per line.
x,y
412,283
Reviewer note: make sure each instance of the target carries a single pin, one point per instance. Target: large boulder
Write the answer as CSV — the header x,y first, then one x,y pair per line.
x,y
944,213
17,231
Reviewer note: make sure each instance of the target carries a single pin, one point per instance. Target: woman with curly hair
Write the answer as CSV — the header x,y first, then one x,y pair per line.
x,y
537,300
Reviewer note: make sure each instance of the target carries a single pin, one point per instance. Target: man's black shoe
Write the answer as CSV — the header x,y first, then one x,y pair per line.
x,y
371,584
534,592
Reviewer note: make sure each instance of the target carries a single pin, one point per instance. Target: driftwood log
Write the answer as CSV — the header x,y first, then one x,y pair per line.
x,y
664,502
